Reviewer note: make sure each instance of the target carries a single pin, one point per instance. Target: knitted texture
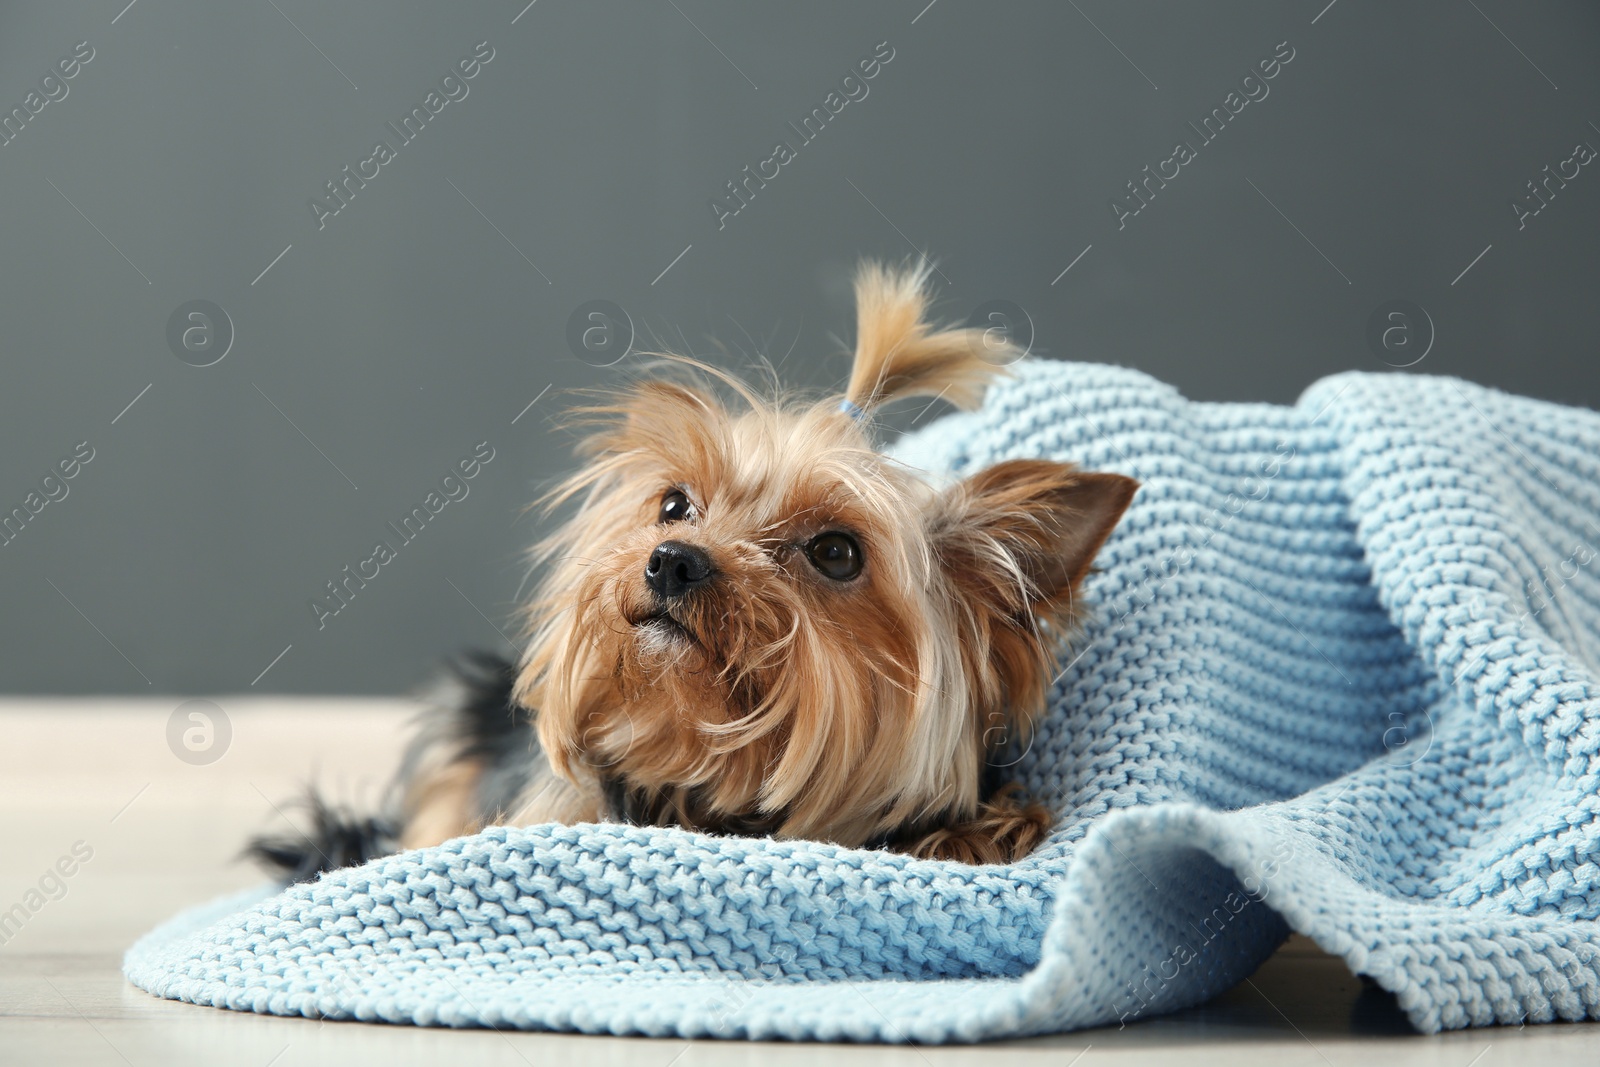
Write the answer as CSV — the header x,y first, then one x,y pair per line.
x,y
1338,677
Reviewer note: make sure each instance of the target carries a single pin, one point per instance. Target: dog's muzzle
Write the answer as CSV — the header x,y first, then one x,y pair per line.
x,y
676,569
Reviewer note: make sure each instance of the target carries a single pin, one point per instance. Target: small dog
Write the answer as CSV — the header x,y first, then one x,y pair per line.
x,y
756,623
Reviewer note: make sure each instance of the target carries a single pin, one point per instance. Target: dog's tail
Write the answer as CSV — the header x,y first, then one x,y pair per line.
x,y
900,353
337,838
475,724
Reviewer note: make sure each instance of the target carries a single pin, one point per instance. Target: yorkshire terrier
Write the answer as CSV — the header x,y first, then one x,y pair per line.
x,y
757,623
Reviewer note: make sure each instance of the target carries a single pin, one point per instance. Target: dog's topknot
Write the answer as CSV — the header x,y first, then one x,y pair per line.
x,y
899,353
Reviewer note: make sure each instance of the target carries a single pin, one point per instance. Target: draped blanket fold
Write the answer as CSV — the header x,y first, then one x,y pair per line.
x,y
1338,676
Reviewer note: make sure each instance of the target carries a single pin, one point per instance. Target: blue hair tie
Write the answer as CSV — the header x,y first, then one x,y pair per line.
x,y
852,409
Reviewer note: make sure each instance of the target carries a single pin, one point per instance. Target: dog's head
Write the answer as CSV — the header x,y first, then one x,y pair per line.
x,y
756,620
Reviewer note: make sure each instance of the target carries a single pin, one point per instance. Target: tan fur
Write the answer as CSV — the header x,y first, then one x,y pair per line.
x,y
1016,539
1005,829
440,804
774,699
551,798
898,354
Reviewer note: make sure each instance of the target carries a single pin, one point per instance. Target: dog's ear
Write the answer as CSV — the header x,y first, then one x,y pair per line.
x,y
1014,541
900,354
1018,538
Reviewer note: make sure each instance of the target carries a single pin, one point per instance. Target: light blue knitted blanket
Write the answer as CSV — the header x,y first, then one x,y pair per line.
x,y
1339,680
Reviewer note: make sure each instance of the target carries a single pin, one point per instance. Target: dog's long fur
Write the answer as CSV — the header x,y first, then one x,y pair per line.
x,y
771,698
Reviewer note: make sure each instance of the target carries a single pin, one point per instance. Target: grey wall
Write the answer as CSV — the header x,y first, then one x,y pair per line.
x,y
382,347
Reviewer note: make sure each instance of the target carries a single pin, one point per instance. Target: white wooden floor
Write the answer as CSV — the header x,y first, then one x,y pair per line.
x,y
164,834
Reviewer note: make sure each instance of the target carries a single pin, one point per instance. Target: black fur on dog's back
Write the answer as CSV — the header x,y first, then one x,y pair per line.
x,y
490,727
479,722
338,838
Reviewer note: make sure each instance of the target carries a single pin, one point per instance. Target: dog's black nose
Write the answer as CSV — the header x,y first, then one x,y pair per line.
x,y
675,568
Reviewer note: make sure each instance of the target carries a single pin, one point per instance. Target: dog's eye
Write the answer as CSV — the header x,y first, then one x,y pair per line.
x,y
836,554
675,507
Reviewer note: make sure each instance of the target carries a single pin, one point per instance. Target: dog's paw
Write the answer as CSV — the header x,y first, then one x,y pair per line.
x,y
1004,831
